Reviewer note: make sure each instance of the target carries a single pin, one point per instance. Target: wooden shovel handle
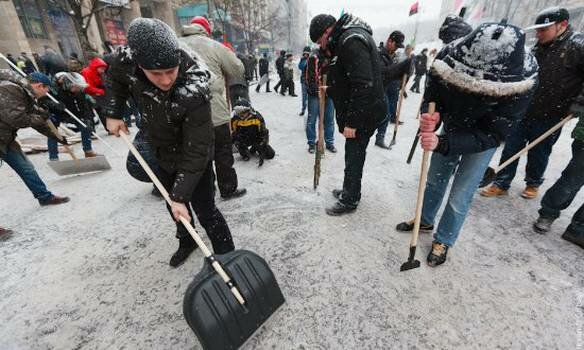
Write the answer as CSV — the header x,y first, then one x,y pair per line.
x,y
60,138
401,100
534,143
218,268
421,188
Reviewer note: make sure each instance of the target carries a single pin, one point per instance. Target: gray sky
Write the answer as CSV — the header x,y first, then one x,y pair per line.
x,y
378,13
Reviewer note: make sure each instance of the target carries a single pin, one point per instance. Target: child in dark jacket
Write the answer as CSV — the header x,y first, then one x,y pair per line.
x,y
249,132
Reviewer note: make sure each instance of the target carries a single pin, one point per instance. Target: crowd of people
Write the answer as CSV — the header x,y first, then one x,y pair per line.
x,y
190,99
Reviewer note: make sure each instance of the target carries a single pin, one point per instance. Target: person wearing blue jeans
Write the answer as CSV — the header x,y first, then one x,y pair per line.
x,y
392,94
329,123
475,122
302,66
19,109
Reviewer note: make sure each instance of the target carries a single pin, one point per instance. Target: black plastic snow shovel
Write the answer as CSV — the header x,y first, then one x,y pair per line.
x,y
412,263
491,174
232,296
398,112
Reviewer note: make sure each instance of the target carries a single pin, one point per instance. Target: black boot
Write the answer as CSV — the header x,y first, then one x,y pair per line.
x,y
235,194
186,245
408,226
574,238
339,209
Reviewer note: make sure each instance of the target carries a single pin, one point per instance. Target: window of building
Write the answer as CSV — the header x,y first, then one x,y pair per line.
x,y
30,18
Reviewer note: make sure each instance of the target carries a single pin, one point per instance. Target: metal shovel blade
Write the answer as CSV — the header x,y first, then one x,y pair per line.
x,y
411,263
489,177
80,166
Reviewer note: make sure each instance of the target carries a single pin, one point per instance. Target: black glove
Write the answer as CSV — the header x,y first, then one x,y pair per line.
x,y
63,141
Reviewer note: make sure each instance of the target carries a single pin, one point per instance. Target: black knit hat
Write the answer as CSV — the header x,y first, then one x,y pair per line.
x,y
154,44
319,25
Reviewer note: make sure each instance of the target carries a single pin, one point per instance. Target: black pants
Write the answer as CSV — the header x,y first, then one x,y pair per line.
x,y
355,152
287,85
279,82
264,151
416,86
203,203
563,192
226,175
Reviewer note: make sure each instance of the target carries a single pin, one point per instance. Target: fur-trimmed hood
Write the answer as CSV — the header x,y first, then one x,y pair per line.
x,y
490,61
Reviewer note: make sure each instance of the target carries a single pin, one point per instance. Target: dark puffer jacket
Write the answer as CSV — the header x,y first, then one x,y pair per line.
x,y
18,110
354,77
561,75
178,122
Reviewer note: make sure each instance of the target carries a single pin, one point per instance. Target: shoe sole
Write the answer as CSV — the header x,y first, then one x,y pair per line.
x,y
331,213
539,230
528,196
425,231
501,194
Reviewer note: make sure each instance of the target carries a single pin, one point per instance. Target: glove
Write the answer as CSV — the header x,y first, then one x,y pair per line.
x,y
63,141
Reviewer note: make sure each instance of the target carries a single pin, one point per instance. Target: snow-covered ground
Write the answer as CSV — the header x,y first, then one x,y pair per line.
x,y
94,273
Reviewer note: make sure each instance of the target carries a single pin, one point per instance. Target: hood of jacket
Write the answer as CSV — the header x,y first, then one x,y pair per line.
x,y
345,23
97,63
194,29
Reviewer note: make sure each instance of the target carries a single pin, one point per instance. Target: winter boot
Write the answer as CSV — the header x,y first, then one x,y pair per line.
x,y
408,226
530,192
240,192
542,225
311,149
331,148
339,209
186,245
493,191
54,200
90,154
438,254
380,143
574,238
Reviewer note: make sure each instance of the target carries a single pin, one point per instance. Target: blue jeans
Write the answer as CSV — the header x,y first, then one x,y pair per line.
x,y
468,171
329,121
392,97
304,96
563,192
523,133
24,168
85,139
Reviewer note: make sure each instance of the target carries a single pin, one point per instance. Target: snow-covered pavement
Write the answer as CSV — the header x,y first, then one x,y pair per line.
x,y
94,273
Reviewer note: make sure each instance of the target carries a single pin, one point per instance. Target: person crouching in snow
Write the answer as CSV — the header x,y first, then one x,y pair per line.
x,y
172,93
70,87
249,132
481,85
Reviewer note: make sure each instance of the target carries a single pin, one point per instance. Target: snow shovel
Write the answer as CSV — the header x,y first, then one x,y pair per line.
x,y
399,106
412,263
232,296
76,165
491,174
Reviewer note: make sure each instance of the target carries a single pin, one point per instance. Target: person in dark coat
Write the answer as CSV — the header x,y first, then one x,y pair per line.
x,y
356,89
421,68
28,65
18,110
564,191
288,77
393,68
560,54
280,69
249,132
481,85
264,66
172,93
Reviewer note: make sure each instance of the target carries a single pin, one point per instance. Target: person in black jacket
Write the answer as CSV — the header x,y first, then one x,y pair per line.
x,y
264,66
421,68
392,71
172,93
280,69
560,54
249,132
481,85
356,89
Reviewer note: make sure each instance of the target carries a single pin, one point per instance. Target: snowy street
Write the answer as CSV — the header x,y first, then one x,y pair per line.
x,y
94,273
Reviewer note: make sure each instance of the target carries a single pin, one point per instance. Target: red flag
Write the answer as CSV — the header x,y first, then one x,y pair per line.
x,y
414,9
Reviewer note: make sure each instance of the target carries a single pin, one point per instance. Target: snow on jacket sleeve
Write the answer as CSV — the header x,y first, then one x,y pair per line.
x,y
359,73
